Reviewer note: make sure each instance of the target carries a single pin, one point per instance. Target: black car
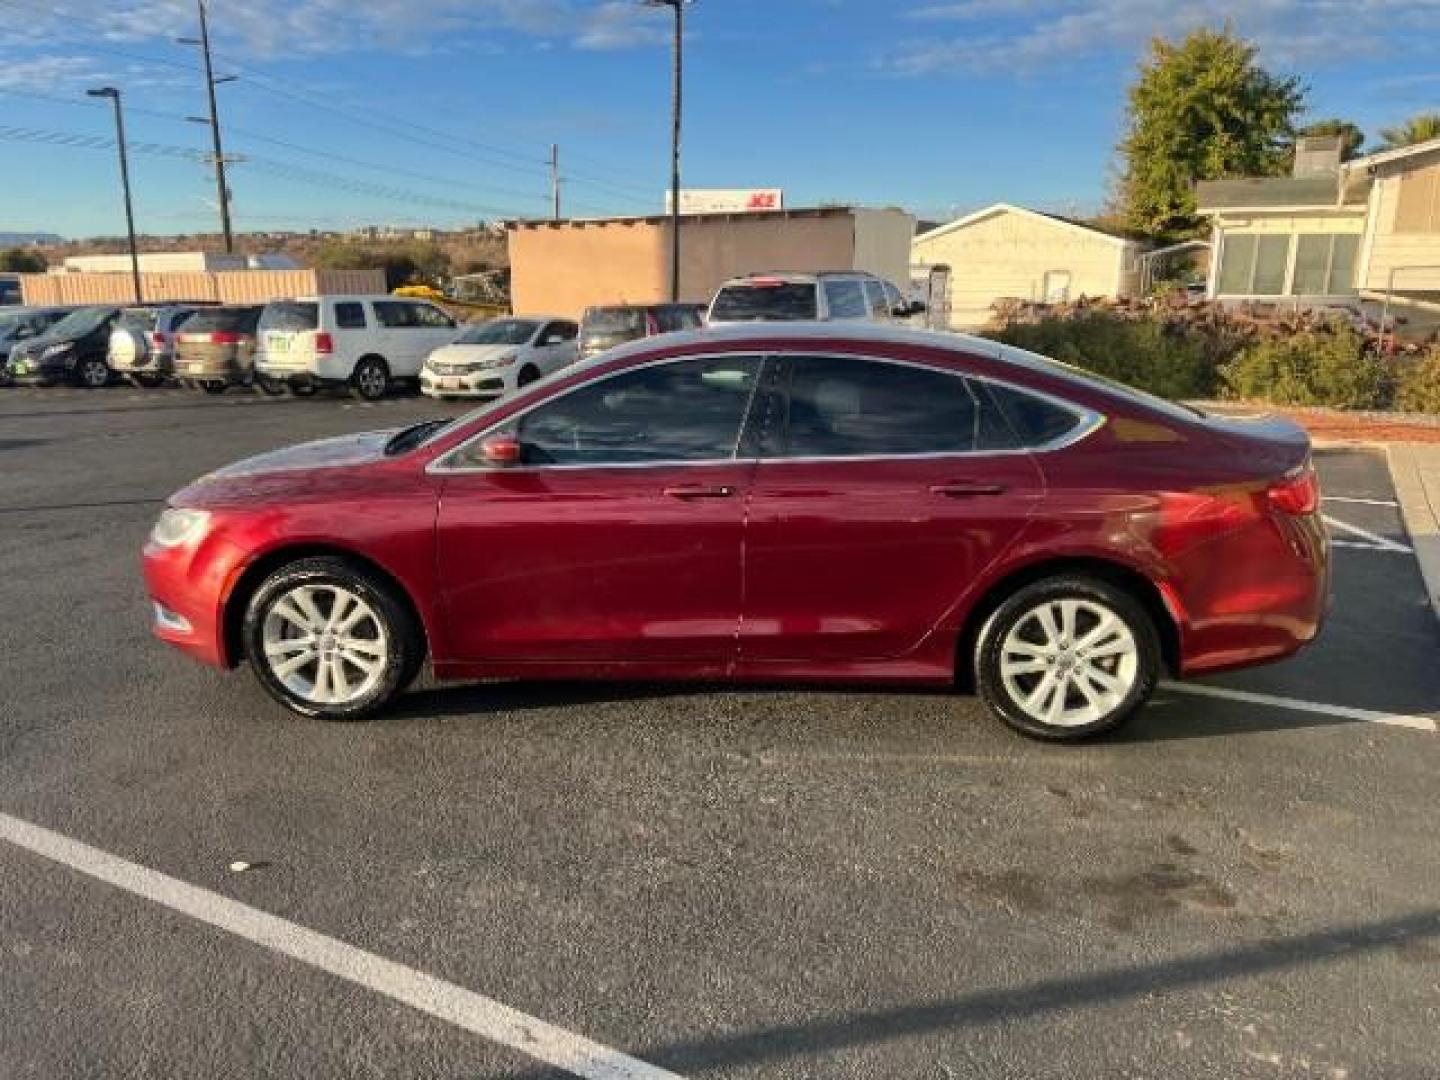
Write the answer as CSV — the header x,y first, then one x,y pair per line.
x,y
73,350
603,328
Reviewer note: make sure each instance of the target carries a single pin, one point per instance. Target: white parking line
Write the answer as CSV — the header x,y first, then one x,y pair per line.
x,y
1372,540
465,1009
1361,502
1369,716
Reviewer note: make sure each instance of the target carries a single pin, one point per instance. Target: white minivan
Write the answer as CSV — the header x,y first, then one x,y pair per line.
x,y
363,342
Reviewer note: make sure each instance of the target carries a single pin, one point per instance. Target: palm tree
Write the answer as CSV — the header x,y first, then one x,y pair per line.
x,y
1422,127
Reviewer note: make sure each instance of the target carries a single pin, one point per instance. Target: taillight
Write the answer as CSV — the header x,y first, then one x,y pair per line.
x,y
324,343
1296,495
226,337
157,339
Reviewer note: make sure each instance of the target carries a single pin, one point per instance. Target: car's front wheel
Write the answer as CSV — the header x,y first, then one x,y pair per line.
x,y
1067,657
329,640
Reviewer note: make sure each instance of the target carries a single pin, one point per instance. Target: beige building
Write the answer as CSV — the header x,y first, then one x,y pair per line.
x,y
226,287
1364,234
563,267
1010,252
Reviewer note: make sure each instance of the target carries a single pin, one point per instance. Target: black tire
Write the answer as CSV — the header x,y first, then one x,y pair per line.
x,y
371,378
214,387
1095,594
92,373
404,642
302,389
269,387
528,374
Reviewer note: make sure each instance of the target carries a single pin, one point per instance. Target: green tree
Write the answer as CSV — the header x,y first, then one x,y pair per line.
x,y
1201,109
1422,127
21,261
403,263
1351,137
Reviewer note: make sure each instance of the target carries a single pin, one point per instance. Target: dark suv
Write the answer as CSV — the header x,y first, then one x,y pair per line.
x,y
603,328
73,350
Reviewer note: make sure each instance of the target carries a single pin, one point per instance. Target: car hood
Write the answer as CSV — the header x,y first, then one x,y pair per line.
x,y
471,354
338,452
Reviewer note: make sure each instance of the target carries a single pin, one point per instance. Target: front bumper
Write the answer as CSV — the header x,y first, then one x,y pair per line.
x,y
187,587
35,372
485,383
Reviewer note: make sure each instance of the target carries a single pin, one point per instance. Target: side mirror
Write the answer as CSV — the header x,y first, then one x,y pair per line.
x,y
501,451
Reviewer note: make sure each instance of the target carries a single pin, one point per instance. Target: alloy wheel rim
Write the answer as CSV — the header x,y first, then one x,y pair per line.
x,y
94,374
372,382
1068,663
325,644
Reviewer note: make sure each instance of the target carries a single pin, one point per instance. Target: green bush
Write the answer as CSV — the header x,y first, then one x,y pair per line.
x,y
1418,389
1164,357
1320,367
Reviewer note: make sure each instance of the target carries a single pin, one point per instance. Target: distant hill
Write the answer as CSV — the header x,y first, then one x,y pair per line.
x,y
23,239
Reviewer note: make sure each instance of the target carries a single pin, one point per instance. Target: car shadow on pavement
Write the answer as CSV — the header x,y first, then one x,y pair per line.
x,y
1171,716
1403,936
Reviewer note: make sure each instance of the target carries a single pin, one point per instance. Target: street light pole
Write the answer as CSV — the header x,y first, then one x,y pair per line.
x,y
221,188
676,96
114,95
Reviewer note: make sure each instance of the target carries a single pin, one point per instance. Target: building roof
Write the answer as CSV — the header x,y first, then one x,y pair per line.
x,y
1023,211
1384,157
1276,193
664,219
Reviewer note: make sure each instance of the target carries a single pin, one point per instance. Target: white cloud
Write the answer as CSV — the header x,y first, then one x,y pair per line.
x,y
279,29
1026,36
47,73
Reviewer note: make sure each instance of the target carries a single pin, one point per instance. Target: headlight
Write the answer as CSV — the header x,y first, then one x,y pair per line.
x,y
177,526
57,349
498,361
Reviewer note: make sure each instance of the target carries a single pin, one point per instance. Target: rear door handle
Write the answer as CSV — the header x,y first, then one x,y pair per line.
x,y
699,491
961,489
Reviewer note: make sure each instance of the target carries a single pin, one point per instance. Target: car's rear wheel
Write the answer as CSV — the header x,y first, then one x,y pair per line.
x,y
214,387
328,640
371,378
93,372
1067,657
302,389
269,386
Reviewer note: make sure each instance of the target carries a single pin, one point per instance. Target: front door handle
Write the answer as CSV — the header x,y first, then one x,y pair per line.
x,y
699,491
961,489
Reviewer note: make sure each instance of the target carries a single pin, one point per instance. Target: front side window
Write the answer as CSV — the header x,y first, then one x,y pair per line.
x,y
431,317
842,407
846,297
683,410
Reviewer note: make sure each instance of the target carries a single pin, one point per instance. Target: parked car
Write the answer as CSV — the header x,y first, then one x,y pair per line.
x,y
603,328
806,297
10,294
765,503
19,324
363,342
72,350
216,348
496,358
142,345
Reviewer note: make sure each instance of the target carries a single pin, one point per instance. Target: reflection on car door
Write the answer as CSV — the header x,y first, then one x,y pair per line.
x,y
554,346
618,537
873,508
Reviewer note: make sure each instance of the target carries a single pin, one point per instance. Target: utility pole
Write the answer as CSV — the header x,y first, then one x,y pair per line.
x,y
676,93
555,181
222,190
114,95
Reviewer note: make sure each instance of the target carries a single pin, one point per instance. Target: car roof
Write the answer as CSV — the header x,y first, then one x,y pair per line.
x,y
800,334
792,277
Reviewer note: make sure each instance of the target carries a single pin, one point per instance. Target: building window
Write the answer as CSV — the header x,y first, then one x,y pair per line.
x,y
1325,264
1254,265
1419,206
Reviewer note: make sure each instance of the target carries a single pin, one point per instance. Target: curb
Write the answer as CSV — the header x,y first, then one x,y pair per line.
x,y
1415,472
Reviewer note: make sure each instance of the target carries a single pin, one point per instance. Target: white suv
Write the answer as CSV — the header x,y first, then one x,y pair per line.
x,y
363,342
851,295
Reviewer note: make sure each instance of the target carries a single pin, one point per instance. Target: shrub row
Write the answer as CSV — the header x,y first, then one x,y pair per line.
x,y
1329,364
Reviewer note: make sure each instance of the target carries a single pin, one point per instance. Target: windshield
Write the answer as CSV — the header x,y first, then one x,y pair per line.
x,y
499,332
614,320
290,315
139,318
11,319
79,323
778,302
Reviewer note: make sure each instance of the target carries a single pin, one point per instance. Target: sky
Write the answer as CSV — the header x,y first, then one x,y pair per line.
x,y
442,112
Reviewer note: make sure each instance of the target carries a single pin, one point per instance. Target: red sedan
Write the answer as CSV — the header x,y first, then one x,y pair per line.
x,y
761,503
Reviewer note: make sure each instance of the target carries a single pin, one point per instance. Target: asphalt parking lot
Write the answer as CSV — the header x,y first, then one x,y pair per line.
x,y
734,883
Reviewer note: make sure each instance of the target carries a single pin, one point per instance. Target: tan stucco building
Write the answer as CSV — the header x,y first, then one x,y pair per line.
x,y
563,267
1011,252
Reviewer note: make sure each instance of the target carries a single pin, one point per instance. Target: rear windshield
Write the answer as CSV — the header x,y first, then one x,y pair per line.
x,y
139,318
614,320
234,320
290,315
780,302
499,332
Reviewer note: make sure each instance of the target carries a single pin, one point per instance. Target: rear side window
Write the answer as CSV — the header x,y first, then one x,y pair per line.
x,y
1033,421
780,301
350,316
674,317
290,315
430,317
846,297
394,315
868,408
